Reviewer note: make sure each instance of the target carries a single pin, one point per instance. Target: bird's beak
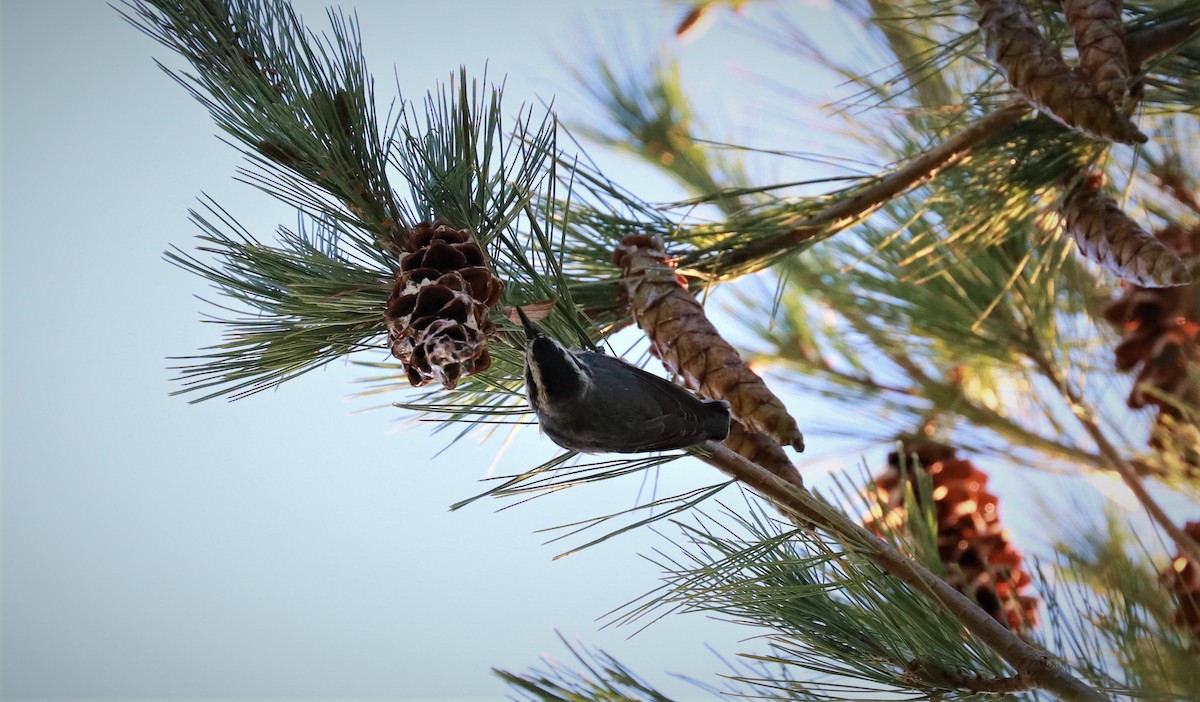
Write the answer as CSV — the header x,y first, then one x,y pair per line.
x,y
531,331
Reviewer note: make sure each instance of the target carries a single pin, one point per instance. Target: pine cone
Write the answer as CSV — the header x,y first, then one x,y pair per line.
x,y
1109,237
1035,67
1161,328
1100,38
980,561
762,450
438,315
688,344
1182,578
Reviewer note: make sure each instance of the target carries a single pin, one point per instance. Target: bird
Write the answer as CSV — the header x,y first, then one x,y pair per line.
x,y
594,403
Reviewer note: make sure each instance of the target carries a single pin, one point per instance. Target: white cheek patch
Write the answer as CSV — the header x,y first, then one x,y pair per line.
x,y
535,371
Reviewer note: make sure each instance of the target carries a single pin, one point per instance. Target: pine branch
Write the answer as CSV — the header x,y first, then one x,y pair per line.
x,y
1146,43
1038,668
850,207
301,304
830,609
853,206
973,683
303,106
606,680
651,306
1171,179
654,120
1128,607
911,48
970,306
951,395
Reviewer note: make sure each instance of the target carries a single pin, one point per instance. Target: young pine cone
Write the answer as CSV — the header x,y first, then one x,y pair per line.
x,y
1109,237
1036,68
688,344
1100,37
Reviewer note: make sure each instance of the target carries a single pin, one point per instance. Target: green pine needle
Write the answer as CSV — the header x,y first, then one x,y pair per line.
x,y
829,611
295,306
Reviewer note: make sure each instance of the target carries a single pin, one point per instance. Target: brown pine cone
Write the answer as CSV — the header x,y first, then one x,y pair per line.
x,y
980,560
1182,578
1035,67
1100,38
687,343
763,450
1161,341
1109,237
438,315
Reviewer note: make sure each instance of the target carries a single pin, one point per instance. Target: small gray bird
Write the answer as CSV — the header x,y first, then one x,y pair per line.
x,y
593,403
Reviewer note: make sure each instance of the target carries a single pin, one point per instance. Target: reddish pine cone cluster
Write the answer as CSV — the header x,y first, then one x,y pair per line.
x,y
438,315
1182,578
980,561
1161,332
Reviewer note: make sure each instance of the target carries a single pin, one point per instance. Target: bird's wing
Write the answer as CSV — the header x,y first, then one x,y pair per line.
x,y
670,417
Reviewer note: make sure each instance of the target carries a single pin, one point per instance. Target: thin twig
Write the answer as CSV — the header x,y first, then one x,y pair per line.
x,y
1173,182
945,394
1145,44
1185,543
845,212
1038,668
1012,683
852,209
1140,46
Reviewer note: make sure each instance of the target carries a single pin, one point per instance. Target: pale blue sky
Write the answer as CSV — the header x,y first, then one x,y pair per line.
x,y
284,545
293,545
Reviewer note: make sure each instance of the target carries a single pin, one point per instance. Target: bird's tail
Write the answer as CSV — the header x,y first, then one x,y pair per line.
x,y
717,424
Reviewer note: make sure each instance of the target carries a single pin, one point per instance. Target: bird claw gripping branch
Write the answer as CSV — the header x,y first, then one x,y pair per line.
x,y
438,315
688,345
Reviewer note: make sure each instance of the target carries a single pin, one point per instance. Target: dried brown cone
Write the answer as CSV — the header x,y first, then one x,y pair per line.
x,y
1182,578
688,345
1035,67
980,560
1161,341
438,315
1109,237
1100,38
